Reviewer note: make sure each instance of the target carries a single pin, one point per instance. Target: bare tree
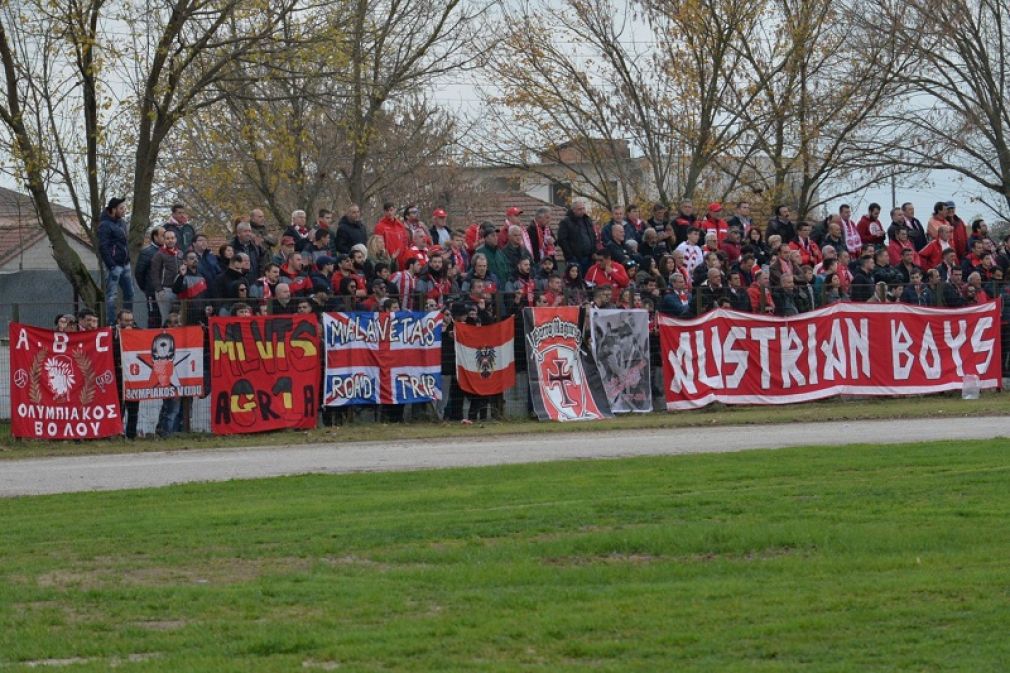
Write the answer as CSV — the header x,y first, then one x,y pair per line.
x,y
953,112
813,83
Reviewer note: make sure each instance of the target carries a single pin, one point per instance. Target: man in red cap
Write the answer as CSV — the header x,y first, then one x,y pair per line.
x,y
713,223
512,218
418,249
440,234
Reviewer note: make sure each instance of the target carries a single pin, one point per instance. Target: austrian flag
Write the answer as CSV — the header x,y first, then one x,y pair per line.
x,y
485,357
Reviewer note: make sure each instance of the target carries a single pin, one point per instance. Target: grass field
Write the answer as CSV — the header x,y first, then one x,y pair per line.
x,y
807,412
858,558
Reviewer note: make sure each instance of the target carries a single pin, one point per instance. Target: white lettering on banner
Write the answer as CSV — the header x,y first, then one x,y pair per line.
x,y
22,340
981,345
812,353
100,339
703,375
60,341
859,344
901,358
834,353
735,356
928,349
763,335
954,342
682,362
792,349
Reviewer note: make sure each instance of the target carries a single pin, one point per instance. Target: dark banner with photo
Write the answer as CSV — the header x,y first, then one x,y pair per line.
x,y
264,373
63,385
620,345
564,386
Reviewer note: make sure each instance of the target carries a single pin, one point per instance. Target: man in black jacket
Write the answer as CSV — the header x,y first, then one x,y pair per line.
x,y
781,225
244,242
350,231
862,279
142,272
577,236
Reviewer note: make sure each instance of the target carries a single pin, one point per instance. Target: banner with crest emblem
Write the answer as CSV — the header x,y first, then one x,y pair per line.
x,y
485,357
563,384
162,364
63,385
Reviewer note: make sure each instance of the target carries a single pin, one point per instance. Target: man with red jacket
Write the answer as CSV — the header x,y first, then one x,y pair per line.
x,y
606,273
393,232
294,276
713,223
959,232
932,254
809,252
869,227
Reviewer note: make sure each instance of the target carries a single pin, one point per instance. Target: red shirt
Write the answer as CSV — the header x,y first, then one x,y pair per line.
x,y
616,275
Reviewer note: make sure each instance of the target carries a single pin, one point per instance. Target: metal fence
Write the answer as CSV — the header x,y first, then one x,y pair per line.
x,y
514,404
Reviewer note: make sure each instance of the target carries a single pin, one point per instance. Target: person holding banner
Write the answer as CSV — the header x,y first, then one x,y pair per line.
x,y
130,409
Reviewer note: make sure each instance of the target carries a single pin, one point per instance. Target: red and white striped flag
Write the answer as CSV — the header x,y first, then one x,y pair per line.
x,y
485,357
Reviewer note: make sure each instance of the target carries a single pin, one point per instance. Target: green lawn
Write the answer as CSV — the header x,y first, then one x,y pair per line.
x,y
858,558
836,409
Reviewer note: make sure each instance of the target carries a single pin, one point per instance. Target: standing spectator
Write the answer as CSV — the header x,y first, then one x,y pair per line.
x,y
980,232
393,232
870,228
713,222
897,222
540,235
739,299
515,251
208,264
178,223
809,252
781,226
169,413
192,288
634,225
244,243
677,301
741,220
917,234
693,255
683,222
755,245
115,253
320,247
324,220
959,233
785,297
833,236
441,235
165,267
606,273
616,217
577,236
497,262
143,272
576,290
761,300
896,249
916,291
299,231
294,275
350,231
932,254
131,408
936,221
405,281
862,279
234,274
87,320
412,220
853,241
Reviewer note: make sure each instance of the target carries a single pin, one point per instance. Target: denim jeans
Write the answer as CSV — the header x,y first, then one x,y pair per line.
x,y
167,417
118,277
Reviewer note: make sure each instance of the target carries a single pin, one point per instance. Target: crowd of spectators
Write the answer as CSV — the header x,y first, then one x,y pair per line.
x,y
678,263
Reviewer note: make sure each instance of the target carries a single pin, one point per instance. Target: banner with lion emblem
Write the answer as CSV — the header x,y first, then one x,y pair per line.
x,y
63,385
485,357
620,342
563,384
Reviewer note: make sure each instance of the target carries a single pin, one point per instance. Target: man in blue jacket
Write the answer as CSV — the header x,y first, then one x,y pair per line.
x,y
113,248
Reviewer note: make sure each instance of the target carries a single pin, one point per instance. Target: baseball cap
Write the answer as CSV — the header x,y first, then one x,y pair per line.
x,y
323,261
513,211
715,207
950,204
439,213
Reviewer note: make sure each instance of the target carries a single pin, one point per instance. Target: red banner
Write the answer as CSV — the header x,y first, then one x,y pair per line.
x,y
485,357
564,385
162,363
264,373
63,385
844,349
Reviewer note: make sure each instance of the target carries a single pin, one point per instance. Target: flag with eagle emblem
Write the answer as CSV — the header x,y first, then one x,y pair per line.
x,y
485,357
